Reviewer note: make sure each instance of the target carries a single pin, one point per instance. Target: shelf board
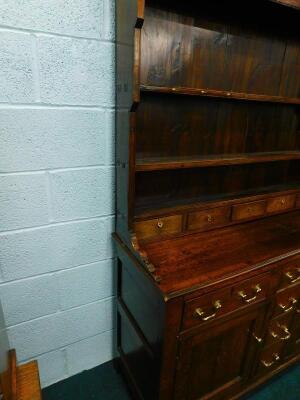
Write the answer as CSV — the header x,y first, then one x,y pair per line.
x,y
288,3
164,206
220,94
171,163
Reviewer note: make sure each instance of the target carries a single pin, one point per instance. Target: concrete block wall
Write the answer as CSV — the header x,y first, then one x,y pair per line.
x,y
57,182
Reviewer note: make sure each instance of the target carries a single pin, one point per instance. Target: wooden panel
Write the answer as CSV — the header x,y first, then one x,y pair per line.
x,y
214,362
206,308
170,126
280,203
248,210
158,227
183,45
209,218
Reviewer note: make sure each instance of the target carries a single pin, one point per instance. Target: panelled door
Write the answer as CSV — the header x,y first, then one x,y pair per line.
x,y
214,361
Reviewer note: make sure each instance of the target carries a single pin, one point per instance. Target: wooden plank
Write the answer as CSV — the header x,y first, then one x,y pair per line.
x,y
220,93
9,378
28,382
156,164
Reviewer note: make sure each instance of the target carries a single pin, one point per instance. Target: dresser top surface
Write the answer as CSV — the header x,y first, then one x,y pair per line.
x,y
191,261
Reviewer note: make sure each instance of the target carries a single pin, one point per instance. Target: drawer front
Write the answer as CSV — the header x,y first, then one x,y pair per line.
x,y
251,291
280,329
270,358
281,203
287,300
158,226
248,210
291,273
206,308
208,218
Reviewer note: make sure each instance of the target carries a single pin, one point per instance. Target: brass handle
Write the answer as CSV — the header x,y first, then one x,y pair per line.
x,y
270,363
288,307
160,224
244,296
200,313
258,339
285,330
290,275
209,218
283,201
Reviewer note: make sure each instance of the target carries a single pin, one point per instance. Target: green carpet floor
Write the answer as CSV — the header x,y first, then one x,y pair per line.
x,y
103,383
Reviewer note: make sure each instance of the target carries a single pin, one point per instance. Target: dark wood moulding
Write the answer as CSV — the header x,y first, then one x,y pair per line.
x,y
162,163
220,94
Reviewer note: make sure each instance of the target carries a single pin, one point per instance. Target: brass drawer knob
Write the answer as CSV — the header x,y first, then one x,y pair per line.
x,y
287,335
290,306
269,364
257,289
200,313
160,223
292,277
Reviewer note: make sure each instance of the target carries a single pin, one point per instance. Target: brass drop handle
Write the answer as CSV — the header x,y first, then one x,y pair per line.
x,y
290,306
285,330
258,339
269,364
160,223
200,313
291,276
244,296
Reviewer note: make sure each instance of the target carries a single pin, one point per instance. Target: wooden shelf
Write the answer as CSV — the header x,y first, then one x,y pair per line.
x,y
219,93
288,3
166,206
168,163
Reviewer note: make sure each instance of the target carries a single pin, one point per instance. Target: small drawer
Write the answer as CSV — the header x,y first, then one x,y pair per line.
x,y
208,218
291,274
251,291
248,210
158,227
287,300
206,308
270,357
281,203
279,329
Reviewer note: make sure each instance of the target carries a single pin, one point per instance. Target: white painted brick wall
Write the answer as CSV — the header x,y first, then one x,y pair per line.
x,y
57,276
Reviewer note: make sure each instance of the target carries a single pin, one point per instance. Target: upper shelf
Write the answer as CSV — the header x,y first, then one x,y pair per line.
x,y
220,94
289,3
167,163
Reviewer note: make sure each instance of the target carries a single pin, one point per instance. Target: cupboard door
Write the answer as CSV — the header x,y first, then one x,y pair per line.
x,y
215,361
